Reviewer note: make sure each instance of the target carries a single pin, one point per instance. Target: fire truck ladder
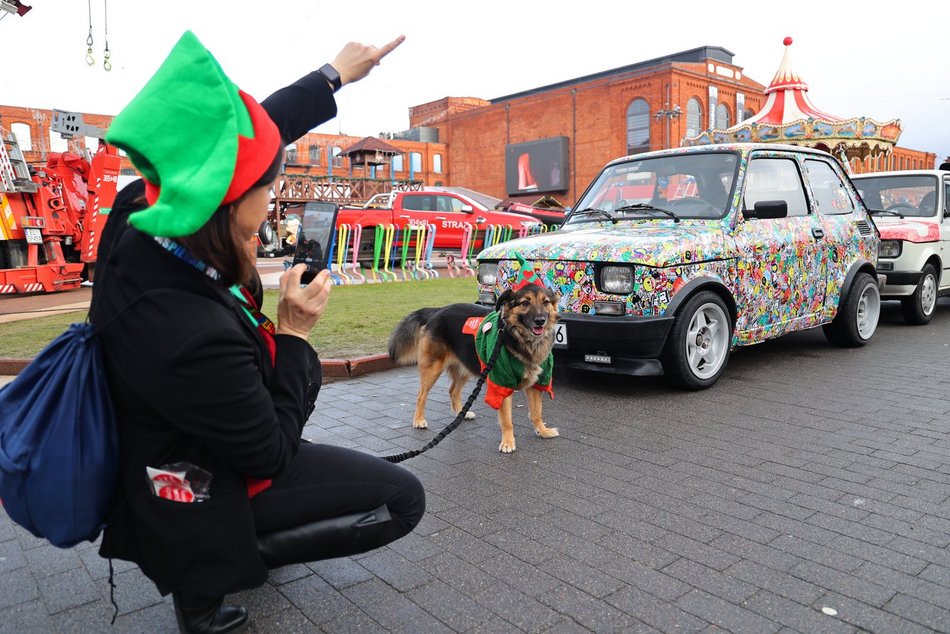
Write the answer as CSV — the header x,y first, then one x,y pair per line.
x,y
14,171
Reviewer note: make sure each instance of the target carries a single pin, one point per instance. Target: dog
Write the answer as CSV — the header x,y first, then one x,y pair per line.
x,y
434,339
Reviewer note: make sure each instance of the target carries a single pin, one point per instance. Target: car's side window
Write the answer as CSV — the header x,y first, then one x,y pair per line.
x,y
772,179
449,203
418,203
946,198
831,194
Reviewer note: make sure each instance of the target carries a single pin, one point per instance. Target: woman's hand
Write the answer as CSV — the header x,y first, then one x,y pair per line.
x,y
299,308
356,60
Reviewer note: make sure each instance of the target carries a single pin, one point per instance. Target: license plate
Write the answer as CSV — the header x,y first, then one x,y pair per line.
x,y
560,336
33,235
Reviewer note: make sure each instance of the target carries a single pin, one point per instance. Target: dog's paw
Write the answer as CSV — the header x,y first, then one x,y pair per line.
x,y
420,424
547,432
507,446
469,415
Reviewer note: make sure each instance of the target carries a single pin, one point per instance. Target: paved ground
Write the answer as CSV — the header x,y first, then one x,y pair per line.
x,y
808,491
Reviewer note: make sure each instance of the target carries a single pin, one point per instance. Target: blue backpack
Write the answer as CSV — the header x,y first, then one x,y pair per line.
x,y
58,443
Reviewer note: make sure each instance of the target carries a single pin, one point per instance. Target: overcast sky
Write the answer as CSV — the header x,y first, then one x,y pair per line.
x,y
859,58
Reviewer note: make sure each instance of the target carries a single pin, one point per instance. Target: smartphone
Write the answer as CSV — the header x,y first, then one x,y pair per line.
x,y
315,238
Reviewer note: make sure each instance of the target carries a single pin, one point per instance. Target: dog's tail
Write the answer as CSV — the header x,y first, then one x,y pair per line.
x,y
404,340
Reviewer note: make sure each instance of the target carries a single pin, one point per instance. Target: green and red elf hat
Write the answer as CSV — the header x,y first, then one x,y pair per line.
x,y
526,275
198,141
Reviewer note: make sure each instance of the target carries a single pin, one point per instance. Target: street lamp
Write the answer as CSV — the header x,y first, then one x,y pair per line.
x,y
670,114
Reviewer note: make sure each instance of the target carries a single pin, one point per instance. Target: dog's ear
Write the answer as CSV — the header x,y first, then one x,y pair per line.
x,y
503,299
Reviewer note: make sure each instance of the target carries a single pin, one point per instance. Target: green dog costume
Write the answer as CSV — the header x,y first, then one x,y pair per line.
x,y
508,371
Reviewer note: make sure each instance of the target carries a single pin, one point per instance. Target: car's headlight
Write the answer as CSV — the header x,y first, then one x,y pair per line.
x,y
889,249
616,279
487,273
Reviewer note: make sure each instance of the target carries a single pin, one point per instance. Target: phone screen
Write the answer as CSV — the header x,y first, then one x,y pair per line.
x,y
315,238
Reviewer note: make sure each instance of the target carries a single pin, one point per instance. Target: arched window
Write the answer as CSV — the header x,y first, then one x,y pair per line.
x,y
694,117
24,136
748,115
638,126
437,163
722,117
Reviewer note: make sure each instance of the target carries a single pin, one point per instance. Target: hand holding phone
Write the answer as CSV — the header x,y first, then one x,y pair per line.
x,y
315,238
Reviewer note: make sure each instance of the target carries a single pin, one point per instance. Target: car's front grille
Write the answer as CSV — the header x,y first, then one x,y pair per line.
x,y
863,227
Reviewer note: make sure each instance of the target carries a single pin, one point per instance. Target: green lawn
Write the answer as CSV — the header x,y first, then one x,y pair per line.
x,y
356,323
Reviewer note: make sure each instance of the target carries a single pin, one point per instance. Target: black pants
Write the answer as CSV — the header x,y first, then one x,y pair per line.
x,y
323,482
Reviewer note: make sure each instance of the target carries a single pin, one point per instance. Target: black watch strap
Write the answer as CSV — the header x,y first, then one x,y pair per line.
x,y
332,76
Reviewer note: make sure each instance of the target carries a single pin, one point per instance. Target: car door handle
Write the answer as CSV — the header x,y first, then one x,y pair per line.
x,y
480,219
818,234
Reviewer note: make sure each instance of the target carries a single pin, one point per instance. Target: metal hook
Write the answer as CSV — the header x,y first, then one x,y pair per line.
x,y
89,57
106,56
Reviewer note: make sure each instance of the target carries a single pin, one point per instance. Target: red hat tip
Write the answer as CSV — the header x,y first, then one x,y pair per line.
x,y
787,41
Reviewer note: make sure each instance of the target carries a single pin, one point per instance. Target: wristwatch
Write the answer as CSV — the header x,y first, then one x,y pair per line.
x,y
331,76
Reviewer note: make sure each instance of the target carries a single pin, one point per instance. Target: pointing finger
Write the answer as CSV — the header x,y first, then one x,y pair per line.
x,y
389,48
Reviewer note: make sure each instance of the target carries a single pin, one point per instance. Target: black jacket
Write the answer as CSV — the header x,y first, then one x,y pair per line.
x,y
192,381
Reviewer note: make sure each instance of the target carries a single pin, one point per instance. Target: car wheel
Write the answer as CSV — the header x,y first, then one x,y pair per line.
x,y
858,314
919,308
699,342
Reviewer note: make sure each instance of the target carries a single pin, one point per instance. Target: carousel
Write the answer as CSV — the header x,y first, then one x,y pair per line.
x,y
790,117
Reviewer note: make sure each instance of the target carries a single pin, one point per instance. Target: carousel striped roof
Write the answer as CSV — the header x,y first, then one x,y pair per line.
x,y
787,98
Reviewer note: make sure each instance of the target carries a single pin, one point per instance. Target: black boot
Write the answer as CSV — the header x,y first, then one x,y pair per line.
x,y
199,614
323,539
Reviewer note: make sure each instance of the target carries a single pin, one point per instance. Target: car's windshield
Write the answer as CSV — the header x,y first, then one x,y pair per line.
x,y
899,195
693,185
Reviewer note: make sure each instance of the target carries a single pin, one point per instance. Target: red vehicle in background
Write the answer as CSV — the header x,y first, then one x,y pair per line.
x,y
459,221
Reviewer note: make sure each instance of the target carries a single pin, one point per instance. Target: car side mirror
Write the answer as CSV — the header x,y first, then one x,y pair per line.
x,y
768,209
467,209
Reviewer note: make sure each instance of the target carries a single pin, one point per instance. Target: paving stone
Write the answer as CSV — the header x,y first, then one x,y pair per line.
x,y
662,615
30,616
725,615
391,609
18,586
794,615
458,611
68,589
716,583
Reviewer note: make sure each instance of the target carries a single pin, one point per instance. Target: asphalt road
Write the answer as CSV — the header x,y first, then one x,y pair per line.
x,y
807,491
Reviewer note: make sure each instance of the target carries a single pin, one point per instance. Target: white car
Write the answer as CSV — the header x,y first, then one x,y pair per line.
x,y
912,210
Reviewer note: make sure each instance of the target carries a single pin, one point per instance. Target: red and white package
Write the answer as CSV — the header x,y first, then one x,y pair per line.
x,y
179,482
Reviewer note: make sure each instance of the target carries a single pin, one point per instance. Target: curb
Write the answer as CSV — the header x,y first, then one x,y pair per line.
x,y
332,368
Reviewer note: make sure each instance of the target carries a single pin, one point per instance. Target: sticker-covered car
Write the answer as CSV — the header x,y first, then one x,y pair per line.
x,y
672,259
911,210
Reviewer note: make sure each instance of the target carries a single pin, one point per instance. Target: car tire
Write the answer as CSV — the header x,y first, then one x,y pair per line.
x,y
697,348
919,308
858,314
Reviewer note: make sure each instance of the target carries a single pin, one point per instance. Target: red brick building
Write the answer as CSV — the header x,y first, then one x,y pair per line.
x,y
549,141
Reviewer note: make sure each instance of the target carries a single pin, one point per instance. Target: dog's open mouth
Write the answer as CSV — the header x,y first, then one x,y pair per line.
x,y
537,330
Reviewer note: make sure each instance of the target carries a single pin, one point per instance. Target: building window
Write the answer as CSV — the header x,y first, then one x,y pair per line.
x,y
337,159
748,115
291,156
57,143
638,126
314,154
437,163
397,163
415,159
23,135
694,117
722,117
